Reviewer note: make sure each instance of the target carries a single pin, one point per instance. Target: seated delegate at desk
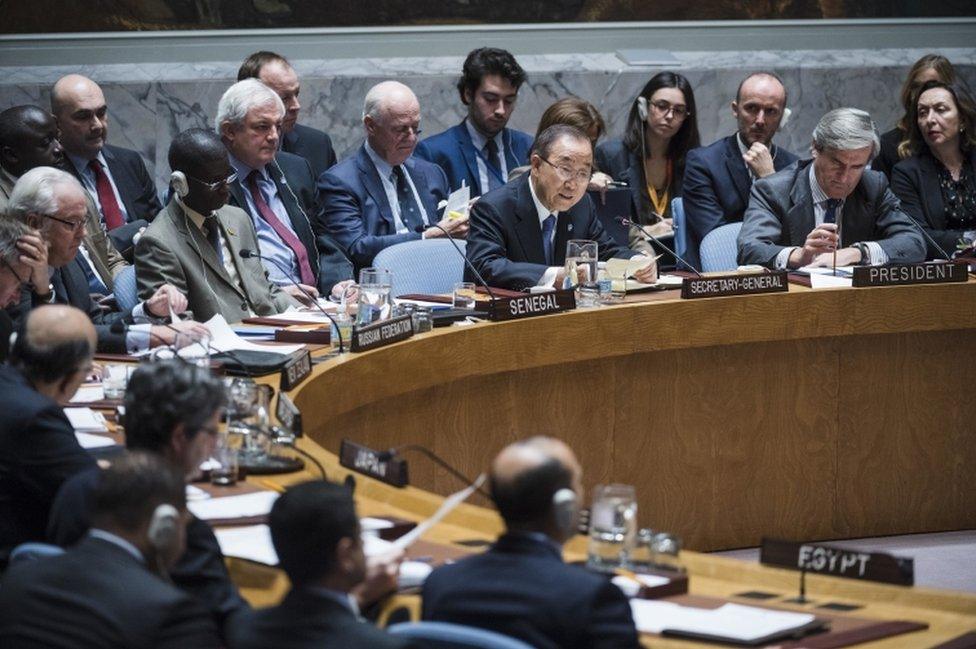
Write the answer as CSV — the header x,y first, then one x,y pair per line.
x,y
793,215
195,243
519,231
937,185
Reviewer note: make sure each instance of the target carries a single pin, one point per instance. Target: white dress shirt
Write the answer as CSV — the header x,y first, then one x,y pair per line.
x,y
385,171
479,142
88,180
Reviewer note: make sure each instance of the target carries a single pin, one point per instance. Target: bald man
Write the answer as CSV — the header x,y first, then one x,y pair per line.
x,y
521,587
49,359
382,196
116,178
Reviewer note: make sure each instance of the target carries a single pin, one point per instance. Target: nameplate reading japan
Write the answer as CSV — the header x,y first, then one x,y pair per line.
x,y
382,333
531,305
902,274
739,284
839,562
365,460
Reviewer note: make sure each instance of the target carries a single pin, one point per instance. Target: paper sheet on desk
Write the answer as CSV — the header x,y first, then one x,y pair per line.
x,y
88,393
735,621
253,542
87,440
446,508
821,277
86,420
662,281
307,317
628,267
245,506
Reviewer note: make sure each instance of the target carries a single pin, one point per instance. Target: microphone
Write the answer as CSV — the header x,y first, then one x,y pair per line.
x,y
421,228
386,456
927,236
248,254
625,221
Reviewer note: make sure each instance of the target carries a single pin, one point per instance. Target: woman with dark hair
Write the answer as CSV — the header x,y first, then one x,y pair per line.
x,y
937,184
931,67
661,129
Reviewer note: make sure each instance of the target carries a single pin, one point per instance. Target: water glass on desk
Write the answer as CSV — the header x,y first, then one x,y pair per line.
x,y
223,463
374,295
115,378
581,270
613,527
464,295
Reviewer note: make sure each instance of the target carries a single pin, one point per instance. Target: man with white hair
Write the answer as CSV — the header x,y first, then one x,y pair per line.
x,y
382,196
277,190
53,202
802,215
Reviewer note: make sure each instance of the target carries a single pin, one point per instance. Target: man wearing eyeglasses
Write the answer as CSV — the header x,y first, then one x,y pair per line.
x,y
382,196
519,231
718,177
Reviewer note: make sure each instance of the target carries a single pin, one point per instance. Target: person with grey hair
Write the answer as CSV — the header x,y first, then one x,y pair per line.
x,y
14,273
383,195
804,214
277,190
53,202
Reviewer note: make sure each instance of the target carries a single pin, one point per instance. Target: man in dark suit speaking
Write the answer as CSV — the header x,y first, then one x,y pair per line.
x,y
521,587
519,232
801,215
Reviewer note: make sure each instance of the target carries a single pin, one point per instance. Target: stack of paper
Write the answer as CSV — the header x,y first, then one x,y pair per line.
x,y
732,621
88,393
244,506
821,277
86,420
87,440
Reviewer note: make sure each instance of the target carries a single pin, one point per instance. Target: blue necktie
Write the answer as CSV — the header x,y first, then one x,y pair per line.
x,y
95,283
830,216
409,212
494,160
547,227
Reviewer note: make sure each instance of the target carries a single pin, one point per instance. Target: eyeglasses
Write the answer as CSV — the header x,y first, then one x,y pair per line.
x,y
664,107
25,284
74,226
566,174
214,186
405,130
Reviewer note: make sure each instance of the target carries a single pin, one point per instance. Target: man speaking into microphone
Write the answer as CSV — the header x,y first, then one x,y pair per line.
x,y
519,231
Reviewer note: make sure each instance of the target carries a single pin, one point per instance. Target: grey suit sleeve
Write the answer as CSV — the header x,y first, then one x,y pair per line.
x,y
762,228
897,235
157,265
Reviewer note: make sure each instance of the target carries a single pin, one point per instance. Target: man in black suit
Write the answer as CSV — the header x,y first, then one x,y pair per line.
x,y
278,192
519,231
50,358
173,410
316,535
276,72
53,202
116,178
521,587
103,591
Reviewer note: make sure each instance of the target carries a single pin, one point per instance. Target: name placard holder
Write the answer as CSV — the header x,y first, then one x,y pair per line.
x,y
365,460
531,305
825,559
382,333
735,284
288,414
905,274
296,370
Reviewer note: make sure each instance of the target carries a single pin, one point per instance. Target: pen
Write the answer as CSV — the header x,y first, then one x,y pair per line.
x,y
272,486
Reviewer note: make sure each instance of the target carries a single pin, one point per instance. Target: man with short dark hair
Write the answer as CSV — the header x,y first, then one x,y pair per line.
x,y
110,589
481,150
316,534
521,587
50,358
277,73
718,177
519,232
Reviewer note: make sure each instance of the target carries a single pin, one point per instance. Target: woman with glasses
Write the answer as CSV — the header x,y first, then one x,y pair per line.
x,y
650,158
937,182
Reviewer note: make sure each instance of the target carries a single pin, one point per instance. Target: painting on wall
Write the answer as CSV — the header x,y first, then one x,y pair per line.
x,y
47,16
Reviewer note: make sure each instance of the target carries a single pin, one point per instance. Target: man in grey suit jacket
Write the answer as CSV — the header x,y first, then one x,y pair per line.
x,y
801,215
196,242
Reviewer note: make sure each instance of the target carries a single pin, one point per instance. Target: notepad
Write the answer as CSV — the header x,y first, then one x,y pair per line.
x,y
87,440
86,420
245,506
88,393
732,621
253,543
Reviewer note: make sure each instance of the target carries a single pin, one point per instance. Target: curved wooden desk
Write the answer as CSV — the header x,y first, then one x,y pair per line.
x,y
808,415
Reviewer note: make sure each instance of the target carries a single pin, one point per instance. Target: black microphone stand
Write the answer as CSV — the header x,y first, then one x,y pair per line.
x,y
625,221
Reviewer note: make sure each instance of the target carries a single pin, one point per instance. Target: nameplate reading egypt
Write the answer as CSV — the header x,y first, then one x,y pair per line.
x,y
903,274
365,460
382,333
839,562
531,305
737,284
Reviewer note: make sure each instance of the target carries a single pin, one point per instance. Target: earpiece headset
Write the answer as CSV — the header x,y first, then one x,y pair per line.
x,y
642,109
786,118
565,507
177,180
163,528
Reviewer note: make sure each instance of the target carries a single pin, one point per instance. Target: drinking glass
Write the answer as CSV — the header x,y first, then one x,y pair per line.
x,y
194,347
374,295
464,295
613,527
581,269
115,378
223,469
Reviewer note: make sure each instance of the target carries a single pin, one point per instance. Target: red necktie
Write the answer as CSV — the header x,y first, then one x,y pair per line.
x,y
286,235
111,211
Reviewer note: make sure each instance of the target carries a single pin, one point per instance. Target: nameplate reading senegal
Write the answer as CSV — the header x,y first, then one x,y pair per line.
x,y
382,333
838,562
903,274
531,305
738,284
365,460
296,370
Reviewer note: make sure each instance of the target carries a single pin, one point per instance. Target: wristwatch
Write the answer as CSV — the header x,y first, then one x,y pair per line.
x,y
46,297
865,253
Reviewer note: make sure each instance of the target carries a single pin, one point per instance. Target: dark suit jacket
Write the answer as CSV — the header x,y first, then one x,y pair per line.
x,y
201,571
38,452
132,179
915,182
454,152
6,328
780,215
305,620
522,588
98,595
505,239
888,154
71,287
356,212
313,145
620,163
296,187
716,188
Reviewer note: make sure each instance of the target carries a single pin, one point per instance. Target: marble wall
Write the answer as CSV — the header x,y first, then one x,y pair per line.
x,y
150,103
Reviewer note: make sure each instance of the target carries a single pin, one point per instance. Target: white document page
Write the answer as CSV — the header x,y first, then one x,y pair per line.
x,y
88,393
458,202
251,542
86,420
87,440
821,277
253,504
742,623
446,507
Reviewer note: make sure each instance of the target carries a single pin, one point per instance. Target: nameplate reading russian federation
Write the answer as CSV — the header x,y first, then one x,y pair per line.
x,y
839,562
901,274
531,305
738,284
382,333
365,460
296,370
